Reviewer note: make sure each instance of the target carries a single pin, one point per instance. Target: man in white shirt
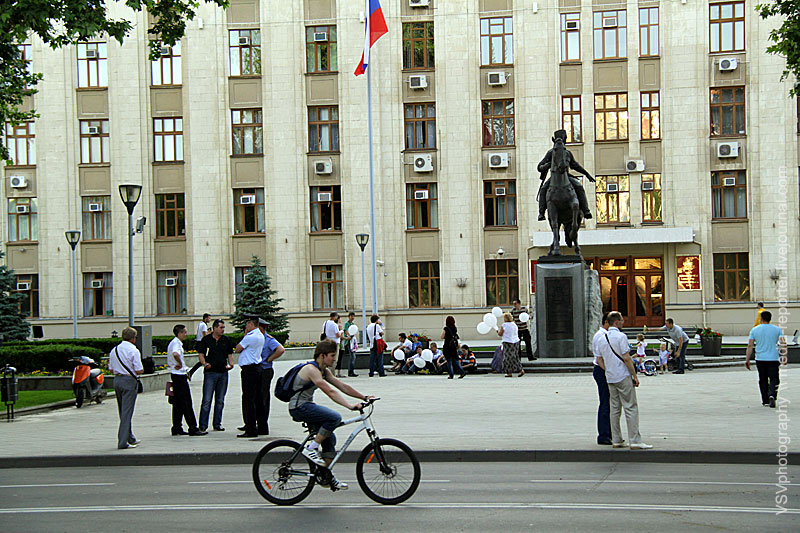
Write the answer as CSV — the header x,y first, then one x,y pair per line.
x,y
405,346
249,350
599,374
182,396
621,377
375,332
125,362
202,328
332,330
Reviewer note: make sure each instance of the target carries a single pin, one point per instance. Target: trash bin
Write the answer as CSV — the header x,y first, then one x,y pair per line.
x,y
9,390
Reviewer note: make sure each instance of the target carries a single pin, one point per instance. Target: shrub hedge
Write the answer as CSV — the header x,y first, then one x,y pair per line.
x,y
48,357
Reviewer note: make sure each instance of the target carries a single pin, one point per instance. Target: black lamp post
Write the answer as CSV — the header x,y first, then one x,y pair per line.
x,y
73,236
130,194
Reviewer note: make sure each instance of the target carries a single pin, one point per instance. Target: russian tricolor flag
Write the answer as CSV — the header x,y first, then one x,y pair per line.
x,y
376,27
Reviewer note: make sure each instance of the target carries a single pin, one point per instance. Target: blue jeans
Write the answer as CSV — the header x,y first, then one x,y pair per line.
x,y
351,370
604,410
322,420
453,362
376,362
214,384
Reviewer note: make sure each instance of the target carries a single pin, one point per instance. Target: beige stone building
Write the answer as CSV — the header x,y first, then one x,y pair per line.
x,y
249,137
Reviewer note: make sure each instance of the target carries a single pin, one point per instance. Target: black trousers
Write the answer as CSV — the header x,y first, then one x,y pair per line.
x,y
526,337
251,384
262,401
182,404
768,379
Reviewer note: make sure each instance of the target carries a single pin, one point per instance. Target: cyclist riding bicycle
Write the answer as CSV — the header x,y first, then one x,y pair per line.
x,y
317,375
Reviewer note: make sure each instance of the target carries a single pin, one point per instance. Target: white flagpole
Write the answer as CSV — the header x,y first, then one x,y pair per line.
x,y
371,191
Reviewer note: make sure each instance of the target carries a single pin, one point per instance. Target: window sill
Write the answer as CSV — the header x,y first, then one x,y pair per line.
x,y
237,156
93,165
417,150
90,89
610,60
571,62
728,220
498,146
578,143
178,86
97,241
613,225
500,228
726,52
245,77
169,239
422,230
168,163
652,222
497,65
322,73
650,140
326,232
21,243
603,141
20,167
254,234
332,152
725,136
650,57
421,70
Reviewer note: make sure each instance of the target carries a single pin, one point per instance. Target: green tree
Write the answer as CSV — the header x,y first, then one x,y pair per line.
x,y
15,327
64,22
786,38
257,298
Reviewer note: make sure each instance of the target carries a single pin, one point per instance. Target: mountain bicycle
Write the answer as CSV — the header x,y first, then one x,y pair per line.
x,y
387,470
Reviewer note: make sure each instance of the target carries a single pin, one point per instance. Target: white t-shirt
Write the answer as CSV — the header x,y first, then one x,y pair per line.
x,y
510,333
640,346
407,344
331,331
616,370
202,327
374,330
128,353
176,346
595,342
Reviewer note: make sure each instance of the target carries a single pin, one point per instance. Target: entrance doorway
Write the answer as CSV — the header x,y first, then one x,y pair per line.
x,y
634,286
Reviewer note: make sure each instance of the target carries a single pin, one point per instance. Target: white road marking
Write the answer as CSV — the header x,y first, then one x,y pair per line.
x,y
646,482
249,481
57,485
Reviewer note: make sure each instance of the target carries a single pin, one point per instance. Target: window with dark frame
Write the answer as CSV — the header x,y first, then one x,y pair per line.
x,y
500,203
96,216
326,208
321,50
727,111
648,32
420,126
28,286
23,219
26,53
94,141
422,209
170,216
323,129
327,283
570,37
245,52
171,292
166,70
248,211
97,294
571,118
498,122
418,47
732,276
168,139
92,65
611,117
21,143
248,132
729,194
502,281
726,27
423,284
240,273
497,41
610,34
613,200
651,115
651,198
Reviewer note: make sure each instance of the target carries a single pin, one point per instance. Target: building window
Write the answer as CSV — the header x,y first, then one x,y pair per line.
x,y
570,37
497,39
420,123
323,129
571,118
171,292
651,115
613,199
500,203
26,54
166,70
732,276
168,139
498,122
21,143
421,205
170,216
245,50
418,45
94,141
97,294
28,287
240,273
92,65
651,197
648,31
248,132
23,219
726,27
327,286
611,117
727,111
248,211
326,208
96,218
502,281
423,284
729,194
610,34
321,49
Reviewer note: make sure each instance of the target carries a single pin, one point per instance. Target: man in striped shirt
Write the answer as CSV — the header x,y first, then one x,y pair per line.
x,y
524,332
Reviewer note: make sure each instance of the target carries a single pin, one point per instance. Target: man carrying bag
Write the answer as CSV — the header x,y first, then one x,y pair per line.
x,y
125,362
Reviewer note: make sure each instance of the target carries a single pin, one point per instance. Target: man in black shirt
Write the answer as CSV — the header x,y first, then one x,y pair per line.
x,y
215,352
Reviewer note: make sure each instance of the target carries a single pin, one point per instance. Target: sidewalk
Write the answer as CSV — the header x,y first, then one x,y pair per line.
x,y
701,416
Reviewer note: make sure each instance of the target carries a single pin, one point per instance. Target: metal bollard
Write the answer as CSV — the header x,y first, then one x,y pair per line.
x,y
9,390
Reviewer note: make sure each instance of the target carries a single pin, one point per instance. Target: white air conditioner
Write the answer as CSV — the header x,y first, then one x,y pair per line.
x,y
727,64
171,282
612,187
95,208
324,197
634,165
729,182
244,41
729,149
420,195
23,286
94,130
17,182
499,191
423,163
323,167
498,160
91,54
247,199
497,78
419,3
648,186
610,22
320,37
166,50
97,283
22,209
418,81
572,25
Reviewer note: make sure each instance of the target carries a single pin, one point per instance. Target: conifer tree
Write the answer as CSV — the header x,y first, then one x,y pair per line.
x,y
257,298
14,325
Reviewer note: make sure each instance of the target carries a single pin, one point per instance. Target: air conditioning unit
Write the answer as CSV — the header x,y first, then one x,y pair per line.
x,y
419,3
171,282
91,54
17,182
610,22
244,41
612,187
729,149
166,50
320,37
497,78
729,182
247,199
418,82
97,283
95,208
499,191
727,64
634,165
323,167
94,130
648,186
23,286
324,197
499,160
22,209
572,25
423,163
420,195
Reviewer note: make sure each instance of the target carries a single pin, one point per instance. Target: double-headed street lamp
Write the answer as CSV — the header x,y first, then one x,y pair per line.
x,y
130,197
362,239
73,236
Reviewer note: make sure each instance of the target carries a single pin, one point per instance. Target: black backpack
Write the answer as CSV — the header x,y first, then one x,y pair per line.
x,y
452,342
284,387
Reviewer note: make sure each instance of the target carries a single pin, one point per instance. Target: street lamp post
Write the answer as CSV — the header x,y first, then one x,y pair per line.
x,y
130,197
73,237
362,239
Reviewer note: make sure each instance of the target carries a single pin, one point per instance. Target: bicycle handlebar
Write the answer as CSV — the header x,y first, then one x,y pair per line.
x,y
367,403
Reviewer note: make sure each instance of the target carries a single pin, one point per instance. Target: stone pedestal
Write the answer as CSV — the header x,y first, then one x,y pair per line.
x,y
560,307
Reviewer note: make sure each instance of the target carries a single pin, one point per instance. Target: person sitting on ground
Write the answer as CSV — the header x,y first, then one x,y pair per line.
x,y
409,367
436,354
405,347
415,342
663,357
467,359
440,362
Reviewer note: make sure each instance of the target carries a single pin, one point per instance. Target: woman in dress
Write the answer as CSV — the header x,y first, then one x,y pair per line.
x,y
450,348
509,332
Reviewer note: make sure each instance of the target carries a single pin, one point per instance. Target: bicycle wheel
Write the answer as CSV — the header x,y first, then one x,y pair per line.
x,y
277,479
388,471
650,367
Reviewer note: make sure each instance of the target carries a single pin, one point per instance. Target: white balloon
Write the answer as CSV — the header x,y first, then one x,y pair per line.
x,y
487,317
524,317
427,355
399,355
483,328
419,362
496,311
490,321
352,330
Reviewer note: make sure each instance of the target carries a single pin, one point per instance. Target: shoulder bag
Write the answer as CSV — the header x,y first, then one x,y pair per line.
x,y
139,386
615,353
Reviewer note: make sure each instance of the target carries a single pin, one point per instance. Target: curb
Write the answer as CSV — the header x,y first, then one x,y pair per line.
x,y
434,456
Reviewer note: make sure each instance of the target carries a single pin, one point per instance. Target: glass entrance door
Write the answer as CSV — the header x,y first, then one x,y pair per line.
x,y
634,286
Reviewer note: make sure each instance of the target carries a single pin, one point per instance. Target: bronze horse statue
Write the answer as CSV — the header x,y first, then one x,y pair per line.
x,y
562,202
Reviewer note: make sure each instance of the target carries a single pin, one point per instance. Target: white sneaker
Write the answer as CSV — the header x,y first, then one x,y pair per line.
x,y
314,456
640,446
338,485
620,445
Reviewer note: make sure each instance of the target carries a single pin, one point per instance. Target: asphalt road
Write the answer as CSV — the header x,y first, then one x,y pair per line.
x,y
452,497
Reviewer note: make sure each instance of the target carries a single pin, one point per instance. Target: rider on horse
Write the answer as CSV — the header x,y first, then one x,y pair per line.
x,y
544,167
